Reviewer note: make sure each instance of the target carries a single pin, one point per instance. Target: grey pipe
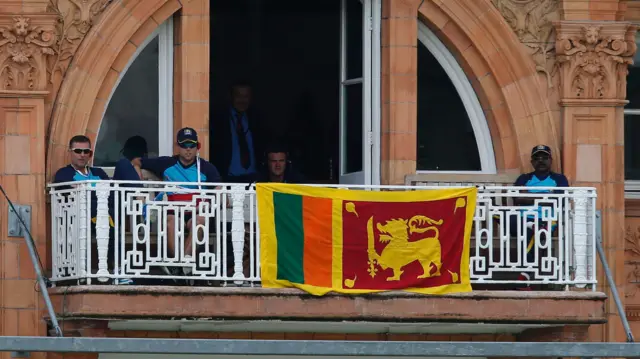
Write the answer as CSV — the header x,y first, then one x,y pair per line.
x,y
614,290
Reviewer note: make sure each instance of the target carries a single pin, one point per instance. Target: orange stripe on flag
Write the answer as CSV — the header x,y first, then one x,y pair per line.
x,y
316,217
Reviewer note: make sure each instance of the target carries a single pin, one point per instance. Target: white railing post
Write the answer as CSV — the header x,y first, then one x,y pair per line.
x,y
102,229
580,235
237,231
82,244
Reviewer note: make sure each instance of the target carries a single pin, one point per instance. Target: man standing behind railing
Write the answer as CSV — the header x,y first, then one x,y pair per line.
x,y
187,166
542,176
79,170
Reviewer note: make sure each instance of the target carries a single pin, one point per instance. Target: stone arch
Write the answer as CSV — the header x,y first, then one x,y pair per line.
x,y
502,74
105,51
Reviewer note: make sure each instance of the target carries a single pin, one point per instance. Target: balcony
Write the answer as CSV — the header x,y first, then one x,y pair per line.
x,y
223,264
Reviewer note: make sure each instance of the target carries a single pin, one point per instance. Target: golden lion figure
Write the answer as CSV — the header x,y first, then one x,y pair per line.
x,y
400,252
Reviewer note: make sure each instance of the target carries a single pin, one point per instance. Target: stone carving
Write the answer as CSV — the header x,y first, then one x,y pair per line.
x,y
594,59
532,21
25,45
632,245
632,240
75,20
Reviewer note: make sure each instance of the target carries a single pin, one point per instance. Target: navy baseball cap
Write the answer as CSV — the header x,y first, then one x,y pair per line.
x,y
187,134
541,148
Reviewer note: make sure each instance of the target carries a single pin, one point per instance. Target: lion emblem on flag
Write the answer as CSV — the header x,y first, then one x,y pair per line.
x,y
399,251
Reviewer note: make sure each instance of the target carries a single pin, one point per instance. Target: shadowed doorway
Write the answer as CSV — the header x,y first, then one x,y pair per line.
x,y
289,51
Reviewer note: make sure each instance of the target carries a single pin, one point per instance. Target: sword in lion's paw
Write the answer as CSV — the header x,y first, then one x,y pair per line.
x,y
454,276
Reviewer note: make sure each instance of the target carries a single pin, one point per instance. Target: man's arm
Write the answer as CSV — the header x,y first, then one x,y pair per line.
x,y
561,181
211,172
126,171
64,174
100,173
157,165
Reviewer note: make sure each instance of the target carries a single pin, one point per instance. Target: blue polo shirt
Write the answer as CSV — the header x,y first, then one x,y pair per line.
x,y
70,174
551,180
170,169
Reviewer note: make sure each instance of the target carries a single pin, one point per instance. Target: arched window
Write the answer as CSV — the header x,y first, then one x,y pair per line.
x,y
452,132
142,101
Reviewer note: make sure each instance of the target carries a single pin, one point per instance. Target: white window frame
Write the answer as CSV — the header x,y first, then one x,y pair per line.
x,y
164,33
469,99
631,187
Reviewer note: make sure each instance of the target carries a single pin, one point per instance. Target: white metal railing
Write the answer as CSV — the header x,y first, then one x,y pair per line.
x,y
226,250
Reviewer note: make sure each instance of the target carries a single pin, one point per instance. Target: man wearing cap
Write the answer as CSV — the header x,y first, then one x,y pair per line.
x,y
186,166
542,176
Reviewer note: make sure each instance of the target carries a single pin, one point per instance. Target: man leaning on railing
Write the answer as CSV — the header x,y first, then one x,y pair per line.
x,y
542,176
79,170
186,166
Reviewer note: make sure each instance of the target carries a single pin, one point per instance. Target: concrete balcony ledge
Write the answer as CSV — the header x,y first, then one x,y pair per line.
x,y
162,302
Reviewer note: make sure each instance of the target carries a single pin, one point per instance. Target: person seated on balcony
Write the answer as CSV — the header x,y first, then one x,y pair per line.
x,y
277,167
79,170
134,150
186,166
235,137
542,176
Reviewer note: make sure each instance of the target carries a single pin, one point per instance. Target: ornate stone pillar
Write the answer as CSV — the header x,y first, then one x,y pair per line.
x,y
593,59
27,44
399,90
191,74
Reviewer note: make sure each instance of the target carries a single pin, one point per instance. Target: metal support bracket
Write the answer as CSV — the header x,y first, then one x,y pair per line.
x,y
15,227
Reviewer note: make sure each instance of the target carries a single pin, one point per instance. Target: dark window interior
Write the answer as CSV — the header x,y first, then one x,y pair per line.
x,y
632,123
446,141
289,50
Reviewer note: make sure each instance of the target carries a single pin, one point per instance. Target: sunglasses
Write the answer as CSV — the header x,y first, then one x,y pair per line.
x,y
84,151
540,158
188,144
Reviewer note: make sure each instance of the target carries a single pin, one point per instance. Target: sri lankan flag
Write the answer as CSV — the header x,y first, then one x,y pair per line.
x,y
351,241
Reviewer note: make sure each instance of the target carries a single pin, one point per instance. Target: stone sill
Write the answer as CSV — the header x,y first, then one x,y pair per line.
x,y
131,302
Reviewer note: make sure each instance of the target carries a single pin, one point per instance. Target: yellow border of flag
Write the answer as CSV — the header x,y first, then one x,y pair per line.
x,y
268,241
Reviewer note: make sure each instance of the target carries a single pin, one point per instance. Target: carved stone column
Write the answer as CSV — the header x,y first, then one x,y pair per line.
x,y
191,69
27,43
593,59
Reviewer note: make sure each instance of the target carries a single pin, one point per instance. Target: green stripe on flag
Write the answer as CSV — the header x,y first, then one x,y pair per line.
x,y
287,210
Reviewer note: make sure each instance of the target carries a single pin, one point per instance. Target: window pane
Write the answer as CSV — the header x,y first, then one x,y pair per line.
x,y
631,147
354,38
353,128
133,109
446,141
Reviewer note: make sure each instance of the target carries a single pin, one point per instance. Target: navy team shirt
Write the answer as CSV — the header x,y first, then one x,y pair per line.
x,y
170,169
551,180
125,171
70,174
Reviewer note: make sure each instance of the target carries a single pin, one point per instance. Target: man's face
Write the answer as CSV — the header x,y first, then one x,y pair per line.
x,y
541,162
187,151
241,98
80,154
277,163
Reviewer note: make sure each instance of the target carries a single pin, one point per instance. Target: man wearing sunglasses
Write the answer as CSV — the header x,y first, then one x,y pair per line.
x,y
186,166
79,170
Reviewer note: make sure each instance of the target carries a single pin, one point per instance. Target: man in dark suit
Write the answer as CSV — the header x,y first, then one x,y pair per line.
x,y
236,138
